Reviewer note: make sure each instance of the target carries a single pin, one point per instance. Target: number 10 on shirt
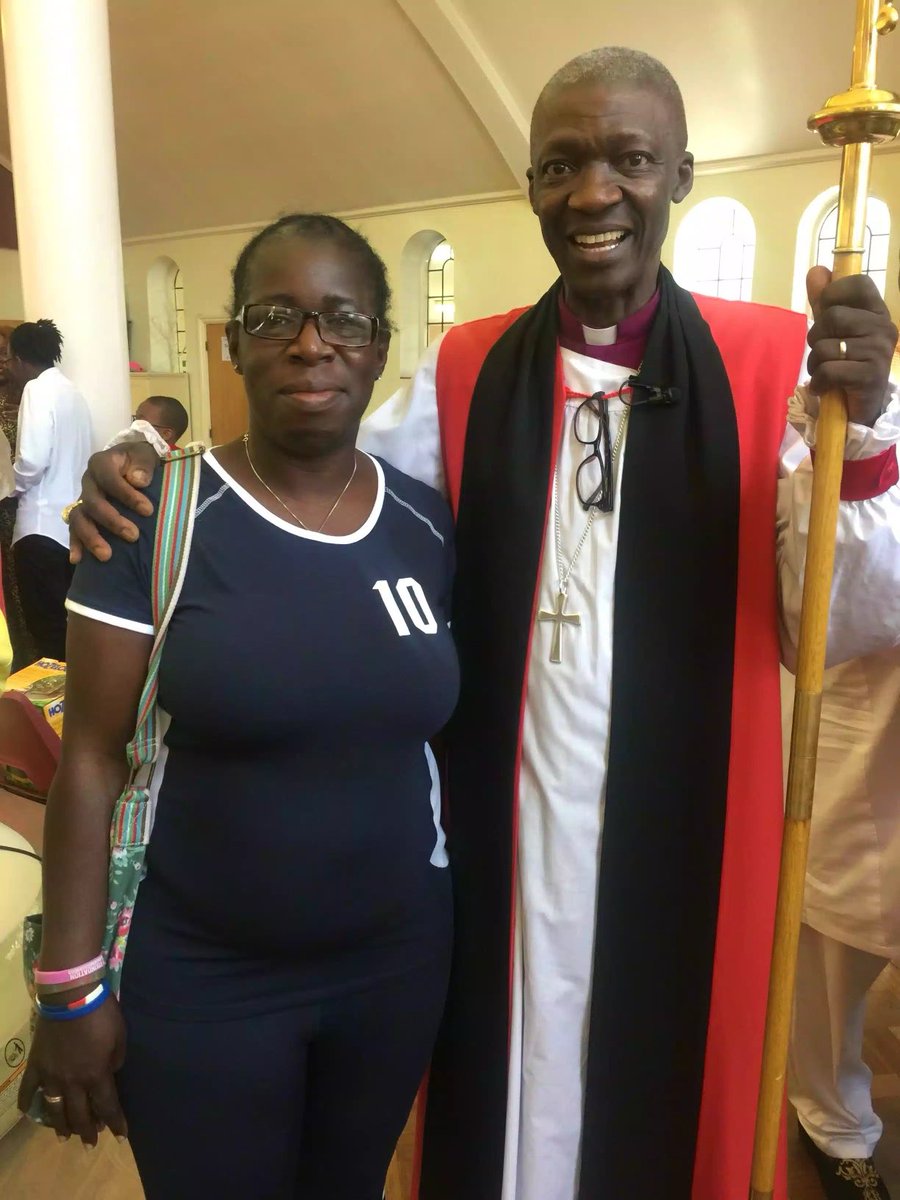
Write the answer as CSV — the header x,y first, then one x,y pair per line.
x,y
413,599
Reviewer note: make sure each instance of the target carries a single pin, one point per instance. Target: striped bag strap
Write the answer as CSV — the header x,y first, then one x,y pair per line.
x,y
174,531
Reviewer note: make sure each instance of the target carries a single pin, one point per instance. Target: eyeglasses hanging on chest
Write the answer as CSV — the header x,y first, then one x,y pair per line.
x,y
591,427
595,477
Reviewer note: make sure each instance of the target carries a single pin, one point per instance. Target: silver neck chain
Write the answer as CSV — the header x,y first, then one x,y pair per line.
x,y
564,572
287,507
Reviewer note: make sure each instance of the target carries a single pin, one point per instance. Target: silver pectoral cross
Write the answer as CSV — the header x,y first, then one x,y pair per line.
x,y
559,618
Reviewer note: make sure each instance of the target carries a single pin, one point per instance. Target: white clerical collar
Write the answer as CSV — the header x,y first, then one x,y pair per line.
x,y
600,337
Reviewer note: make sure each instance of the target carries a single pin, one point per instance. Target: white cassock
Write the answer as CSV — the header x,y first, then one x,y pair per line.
x,y
852,898
566,731
561,801
853,877
852,902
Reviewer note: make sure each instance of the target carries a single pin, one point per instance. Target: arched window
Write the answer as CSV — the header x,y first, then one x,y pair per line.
x,y
180,328
440,295
165,306
878,235
714,249
816,236
427,301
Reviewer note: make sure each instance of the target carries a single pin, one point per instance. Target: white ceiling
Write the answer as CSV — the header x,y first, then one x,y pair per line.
x,y
751,71
227,112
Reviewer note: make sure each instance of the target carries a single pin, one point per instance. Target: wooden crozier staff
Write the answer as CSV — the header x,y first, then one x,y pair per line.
x,y
855,120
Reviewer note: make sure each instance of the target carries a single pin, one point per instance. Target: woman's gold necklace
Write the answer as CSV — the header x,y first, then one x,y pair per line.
x,y
287,507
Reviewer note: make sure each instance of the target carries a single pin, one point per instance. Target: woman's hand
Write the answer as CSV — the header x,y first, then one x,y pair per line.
x,y
78,1060
115,473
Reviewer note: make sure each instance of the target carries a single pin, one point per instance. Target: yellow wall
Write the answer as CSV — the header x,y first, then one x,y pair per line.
x,y
205,263
158,383
500,258
11,306
501,263
777,198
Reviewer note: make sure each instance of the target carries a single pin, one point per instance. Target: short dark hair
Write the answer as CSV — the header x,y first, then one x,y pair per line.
x,y
174,413
618,66
38,343
322,227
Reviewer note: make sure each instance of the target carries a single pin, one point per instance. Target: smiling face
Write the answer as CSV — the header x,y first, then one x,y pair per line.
x,y
607,163
307,396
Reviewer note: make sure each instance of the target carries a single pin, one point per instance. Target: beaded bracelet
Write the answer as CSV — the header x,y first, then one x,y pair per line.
x,y
77,1008
49,989
69,974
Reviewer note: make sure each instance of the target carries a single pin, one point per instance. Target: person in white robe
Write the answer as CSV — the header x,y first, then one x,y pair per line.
x,y
851,917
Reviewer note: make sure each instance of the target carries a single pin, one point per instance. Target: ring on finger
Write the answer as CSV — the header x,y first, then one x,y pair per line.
x,y
842,349
66,513
53,1101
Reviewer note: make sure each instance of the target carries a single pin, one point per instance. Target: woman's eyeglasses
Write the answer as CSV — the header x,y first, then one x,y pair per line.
x,y
281,323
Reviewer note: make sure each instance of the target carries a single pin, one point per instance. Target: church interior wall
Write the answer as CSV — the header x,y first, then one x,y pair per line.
x,y
504,265
11,305
777,198
500,258
501,262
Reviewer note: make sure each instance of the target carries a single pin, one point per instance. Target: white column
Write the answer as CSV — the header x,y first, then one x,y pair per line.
x,y
59,90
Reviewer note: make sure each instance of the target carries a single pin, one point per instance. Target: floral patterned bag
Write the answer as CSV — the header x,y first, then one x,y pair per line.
x,y
132,818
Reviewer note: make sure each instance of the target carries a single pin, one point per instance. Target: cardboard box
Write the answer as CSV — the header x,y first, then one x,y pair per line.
x,y
44,684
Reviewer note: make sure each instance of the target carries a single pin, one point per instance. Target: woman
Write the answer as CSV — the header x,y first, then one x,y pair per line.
x,y
289,950
10,398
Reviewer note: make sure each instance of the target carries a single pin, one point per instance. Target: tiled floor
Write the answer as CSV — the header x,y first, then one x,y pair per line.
x,y
33,1166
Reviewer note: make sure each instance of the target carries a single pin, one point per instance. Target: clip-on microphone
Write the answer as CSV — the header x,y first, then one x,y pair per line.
x,y
659,397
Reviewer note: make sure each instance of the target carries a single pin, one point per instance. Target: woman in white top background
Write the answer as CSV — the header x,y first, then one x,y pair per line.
x,y
52,449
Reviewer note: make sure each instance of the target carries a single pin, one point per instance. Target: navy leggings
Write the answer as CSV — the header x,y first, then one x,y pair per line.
x,y
302,1104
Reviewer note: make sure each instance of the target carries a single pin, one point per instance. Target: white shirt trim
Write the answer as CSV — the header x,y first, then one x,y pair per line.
x,y
338,540
94,614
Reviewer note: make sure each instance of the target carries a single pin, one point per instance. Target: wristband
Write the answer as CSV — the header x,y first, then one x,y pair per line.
x,y
78,1008
79,1003
70,974
49,989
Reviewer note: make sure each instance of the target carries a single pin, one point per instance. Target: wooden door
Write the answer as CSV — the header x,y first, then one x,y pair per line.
x,y
227,400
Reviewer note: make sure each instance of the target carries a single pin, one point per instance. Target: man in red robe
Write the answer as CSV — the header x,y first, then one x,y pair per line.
x,y
618,461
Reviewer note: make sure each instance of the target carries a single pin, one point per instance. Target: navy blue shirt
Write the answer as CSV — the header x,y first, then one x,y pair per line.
x,y
297,849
